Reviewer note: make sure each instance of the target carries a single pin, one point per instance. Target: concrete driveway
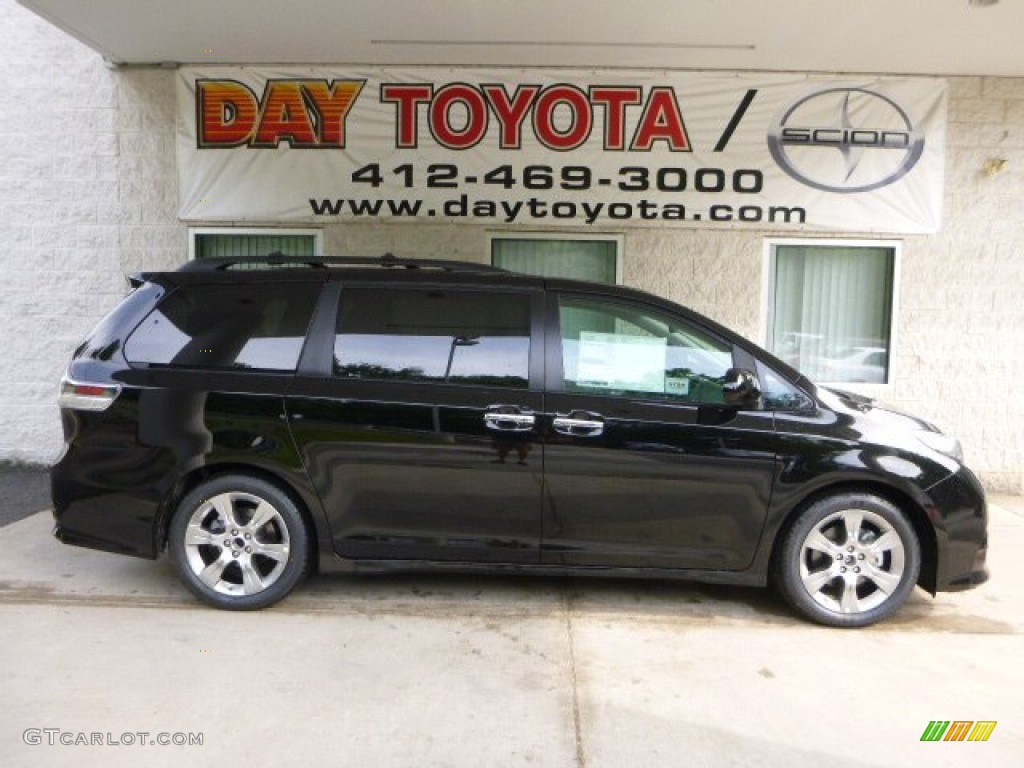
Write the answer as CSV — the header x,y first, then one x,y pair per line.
x,y
104,657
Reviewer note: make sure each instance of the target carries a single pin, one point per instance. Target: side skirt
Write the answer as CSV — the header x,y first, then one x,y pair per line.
x,y
337,564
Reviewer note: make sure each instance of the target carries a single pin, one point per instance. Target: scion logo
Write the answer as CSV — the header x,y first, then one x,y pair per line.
x,y
845,140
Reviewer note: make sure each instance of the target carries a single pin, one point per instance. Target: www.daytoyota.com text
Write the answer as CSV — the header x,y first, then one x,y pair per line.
x,y
562,182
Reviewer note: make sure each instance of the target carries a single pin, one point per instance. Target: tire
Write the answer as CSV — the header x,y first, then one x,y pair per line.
x,y
848,560
239,543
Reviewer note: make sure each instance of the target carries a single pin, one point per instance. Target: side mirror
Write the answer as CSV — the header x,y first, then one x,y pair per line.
x,y
741,388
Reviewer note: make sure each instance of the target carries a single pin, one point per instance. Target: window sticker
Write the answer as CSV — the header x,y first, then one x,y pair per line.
x,y
677,385
612,361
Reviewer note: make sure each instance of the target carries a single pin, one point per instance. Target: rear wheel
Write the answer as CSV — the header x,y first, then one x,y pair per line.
x,y
848,560
239,543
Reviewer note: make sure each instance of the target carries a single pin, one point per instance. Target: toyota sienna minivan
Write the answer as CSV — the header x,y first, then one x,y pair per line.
x,y
261,420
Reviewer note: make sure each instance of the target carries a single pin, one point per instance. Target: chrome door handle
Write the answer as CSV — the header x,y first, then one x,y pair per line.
x,y
509,422
590,425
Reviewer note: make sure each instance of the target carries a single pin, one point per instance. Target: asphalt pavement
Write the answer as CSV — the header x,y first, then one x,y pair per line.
x,y
24,490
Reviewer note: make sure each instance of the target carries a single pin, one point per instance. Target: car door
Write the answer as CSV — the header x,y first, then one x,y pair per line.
x,y
646,465
419,429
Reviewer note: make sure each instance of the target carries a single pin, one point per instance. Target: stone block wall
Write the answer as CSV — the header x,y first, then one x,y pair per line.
x,y
88,194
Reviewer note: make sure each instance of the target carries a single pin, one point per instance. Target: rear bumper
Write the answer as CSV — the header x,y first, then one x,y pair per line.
x,y
101,503
78,539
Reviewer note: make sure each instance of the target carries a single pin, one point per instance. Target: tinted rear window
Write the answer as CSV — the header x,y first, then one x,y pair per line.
x,y
260,327
108,337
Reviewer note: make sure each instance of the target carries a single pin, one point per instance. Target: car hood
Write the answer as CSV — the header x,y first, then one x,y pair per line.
x,y
867,409
902,436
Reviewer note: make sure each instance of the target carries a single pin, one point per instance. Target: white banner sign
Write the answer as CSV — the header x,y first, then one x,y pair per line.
x,y
561,147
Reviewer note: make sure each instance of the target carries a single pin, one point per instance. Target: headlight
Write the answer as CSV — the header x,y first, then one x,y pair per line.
x,y
944,444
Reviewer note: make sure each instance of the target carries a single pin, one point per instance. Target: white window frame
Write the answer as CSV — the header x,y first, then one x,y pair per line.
x,y
618,239
768,292
318,235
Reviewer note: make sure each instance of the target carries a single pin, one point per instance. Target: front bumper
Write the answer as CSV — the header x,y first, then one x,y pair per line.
x,y
960,516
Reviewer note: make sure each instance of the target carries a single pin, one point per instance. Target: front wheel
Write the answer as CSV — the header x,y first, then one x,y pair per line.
x,y
239,543
848,560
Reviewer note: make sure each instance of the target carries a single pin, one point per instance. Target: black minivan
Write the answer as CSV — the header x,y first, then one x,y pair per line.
x,y
262,420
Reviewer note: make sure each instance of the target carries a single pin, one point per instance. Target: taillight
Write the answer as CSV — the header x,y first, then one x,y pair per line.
x,y
86,396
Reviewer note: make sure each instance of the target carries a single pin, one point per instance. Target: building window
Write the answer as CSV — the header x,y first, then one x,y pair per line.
x,y
831,307
234,242
577,257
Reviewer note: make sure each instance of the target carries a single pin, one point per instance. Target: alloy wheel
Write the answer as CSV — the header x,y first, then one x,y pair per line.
x,y
852,561
237,543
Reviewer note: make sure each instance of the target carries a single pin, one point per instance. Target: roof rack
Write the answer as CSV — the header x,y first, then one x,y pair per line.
x,y
387,261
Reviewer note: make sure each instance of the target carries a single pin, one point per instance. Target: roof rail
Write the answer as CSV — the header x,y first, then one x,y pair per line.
x,y
387,261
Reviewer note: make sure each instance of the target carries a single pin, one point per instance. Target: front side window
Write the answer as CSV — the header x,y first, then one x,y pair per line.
x,y
617,348
779,394
260,327
442,336
831,310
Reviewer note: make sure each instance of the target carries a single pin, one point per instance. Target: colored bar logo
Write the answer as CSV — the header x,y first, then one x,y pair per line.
x,y
958,730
